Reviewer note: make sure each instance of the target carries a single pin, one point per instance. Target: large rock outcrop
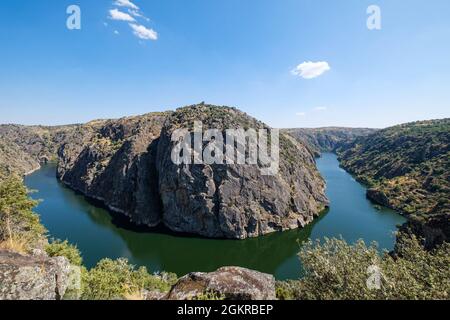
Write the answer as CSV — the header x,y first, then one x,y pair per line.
x,y
32,277
230,283
127,165
235,200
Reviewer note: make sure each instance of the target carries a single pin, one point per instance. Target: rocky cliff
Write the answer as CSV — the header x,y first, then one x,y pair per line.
x,y
232,200
114,161
126,164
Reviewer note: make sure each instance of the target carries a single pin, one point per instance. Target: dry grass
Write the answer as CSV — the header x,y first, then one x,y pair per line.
x,y
14,245
133,295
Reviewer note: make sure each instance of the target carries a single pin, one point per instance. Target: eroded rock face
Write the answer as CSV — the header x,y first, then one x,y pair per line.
x,y
113,161
230,283
127,165
232,200
32,277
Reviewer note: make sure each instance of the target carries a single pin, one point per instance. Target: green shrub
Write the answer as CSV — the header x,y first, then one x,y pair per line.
x,y
336,270
60,248
116,279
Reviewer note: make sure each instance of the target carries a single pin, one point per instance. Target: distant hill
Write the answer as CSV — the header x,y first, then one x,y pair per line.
x,y
328,139
407,169
25,147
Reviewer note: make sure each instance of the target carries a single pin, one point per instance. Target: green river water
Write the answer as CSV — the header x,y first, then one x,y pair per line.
x,y
68,215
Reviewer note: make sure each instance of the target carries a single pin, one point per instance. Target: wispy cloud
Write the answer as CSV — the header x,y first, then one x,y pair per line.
x,y
138,14
311,70
126,3
115,14
320,108
144,33
300,114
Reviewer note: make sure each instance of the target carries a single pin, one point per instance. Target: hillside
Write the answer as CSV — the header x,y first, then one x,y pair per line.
x,y
25,147
407,169
328,139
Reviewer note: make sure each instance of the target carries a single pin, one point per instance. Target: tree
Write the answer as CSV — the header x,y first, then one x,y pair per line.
x,y
18,222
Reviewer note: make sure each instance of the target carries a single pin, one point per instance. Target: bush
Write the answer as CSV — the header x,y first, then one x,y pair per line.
x,y
336,270
117,279
60,248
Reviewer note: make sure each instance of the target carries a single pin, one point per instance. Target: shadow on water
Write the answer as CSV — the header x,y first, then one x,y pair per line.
x,y
99,233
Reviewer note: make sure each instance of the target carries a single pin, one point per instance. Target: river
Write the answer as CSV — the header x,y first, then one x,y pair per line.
x,y
68,215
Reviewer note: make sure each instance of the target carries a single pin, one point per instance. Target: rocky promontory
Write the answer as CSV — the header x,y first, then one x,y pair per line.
x,y
127,165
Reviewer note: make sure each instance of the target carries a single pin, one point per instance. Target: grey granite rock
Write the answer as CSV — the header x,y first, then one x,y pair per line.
x,y
32,277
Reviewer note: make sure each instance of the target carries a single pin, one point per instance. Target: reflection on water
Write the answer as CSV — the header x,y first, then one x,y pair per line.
x,y
98,234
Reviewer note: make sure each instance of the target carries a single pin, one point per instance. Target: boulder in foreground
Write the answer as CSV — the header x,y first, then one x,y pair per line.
x,y
231,283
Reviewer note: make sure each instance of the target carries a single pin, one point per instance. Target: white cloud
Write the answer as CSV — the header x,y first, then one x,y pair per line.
x,y
126,3
119,15
320,108
136,13
116,32
310,70
143,33
300,114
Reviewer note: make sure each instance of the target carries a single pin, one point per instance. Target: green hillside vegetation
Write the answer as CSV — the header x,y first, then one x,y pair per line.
x,y
407,169
335,270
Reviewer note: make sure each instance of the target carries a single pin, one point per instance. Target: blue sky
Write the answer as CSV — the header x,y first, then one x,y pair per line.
x,y
233,52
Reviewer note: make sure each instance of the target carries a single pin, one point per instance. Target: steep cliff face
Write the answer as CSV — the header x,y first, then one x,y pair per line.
x,y
114,161
234,200
328,139
406,168
127,164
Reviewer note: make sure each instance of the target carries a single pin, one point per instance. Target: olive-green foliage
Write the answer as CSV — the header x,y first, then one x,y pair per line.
x,y
18,222
408,163
58,248
114,279
336,270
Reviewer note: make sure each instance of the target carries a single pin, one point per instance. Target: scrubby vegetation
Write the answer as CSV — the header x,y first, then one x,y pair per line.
x,y
59,248
336,270
409,164
117,279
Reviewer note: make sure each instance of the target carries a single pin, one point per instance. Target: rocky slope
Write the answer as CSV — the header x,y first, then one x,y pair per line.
x,y
328,139
407,169
14,159
126,163
24,148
